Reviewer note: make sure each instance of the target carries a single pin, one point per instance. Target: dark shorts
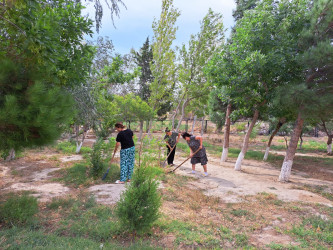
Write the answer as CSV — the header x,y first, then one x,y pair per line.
x,y
203,160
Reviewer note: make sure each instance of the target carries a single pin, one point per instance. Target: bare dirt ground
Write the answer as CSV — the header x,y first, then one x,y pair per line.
x,y
35,172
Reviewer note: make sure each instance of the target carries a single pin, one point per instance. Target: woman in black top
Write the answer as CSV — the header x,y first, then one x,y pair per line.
x,y
127,152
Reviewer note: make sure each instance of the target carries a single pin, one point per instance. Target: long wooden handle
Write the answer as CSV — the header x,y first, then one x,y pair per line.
x,y
170,152
184,161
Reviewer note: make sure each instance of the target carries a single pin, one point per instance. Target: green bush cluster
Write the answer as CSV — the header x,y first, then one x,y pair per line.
x,y
139,205
18,209
98,164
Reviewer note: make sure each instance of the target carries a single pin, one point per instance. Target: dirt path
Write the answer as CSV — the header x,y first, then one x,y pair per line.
x,y
256,177
35,174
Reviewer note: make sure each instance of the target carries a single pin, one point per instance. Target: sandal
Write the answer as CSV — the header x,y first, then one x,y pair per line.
x,y
119,182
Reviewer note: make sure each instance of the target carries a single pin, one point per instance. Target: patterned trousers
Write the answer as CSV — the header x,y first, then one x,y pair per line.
x,y
127,157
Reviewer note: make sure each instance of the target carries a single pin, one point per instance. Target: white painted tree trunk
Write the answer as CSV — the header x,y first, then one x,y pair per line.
x,y
238,165
194,120
266,154
11,155
285,170
78,147
291,151
224,156
329,149
225,151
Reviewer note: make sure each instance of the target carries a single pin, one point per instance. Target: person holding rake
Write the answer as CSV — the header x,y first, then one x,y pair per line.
x,y
171,139
127,152
195,144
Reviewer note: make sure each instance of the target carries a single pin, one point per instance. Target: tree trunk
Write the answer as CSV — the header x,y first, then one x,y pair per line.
x,y
301,137
288,159
11,155
278,126
202,126
183,114
329,145
176,111
194,120
141,130
241,155
225,150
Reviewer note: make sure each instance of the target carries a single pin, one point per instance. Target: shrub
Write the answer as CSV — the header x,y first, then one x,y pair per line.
x,y
139,204
96,157
18,209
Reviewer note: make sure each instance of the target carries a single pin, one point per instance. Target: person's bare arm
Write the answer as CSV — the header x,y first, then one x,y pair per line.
x,y
199,138
116,148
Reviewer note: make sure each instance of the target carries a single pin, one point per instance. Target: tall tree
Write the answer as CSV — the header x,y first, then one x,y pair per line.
x,y
163,66
201,48
241,6
314,94
143,59
41,53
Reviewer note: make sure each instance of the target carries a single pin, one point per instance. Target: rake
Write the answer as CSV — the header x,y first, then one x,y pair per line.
x,y
163,164
107,171
184,161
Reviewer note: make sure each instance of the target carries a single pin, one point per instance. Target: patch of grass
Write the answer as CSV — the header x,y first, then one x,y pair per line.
x,y
18,209
314,232
239,212
241,240
67,147
57,203
276,246
76,175
226,233
187,233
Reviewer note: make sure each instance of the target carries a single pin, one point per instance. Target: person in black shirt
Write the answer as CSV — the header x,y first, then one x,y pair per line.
x,y
127,152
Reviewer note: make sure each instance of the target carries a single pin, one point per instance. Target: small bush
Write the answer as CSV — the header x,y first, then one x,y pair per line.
x,y
139,204
97,162
18,209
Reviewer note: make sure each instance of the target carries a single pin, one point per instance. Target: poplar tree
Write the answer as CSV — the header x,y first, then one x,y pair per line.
x,y
193,59
163,66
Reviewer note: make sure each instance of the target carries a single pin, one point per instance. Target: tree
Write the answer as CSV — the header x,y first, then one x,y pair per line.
x,y
314,94
201,48
133,108
241,6
143,59
263,57
41,53
163,67
113,6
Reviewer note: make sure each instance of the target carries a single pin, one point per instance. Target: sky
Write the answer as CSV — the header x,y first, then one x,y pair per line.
x,y
135,23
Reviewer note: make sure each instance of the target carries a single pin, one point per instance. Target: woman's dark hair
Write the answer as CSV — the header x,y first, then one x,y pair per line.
x,y
185,134
119,125
167,130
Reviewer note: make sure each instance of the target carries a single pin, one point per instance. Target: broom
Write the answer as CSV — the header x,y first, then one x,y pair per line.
x,y
107,171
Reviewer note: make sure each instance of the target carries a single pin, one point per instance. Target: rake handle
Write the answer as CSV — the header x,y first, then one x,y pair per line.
x,y
185,161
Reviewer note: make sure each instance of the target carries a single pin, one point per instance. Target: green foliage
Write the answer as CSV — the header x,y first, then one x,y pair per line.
x,y
18,209
70,148
217,109
313,232
97,162
41,53
139,204
163,68
143,59
76,175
